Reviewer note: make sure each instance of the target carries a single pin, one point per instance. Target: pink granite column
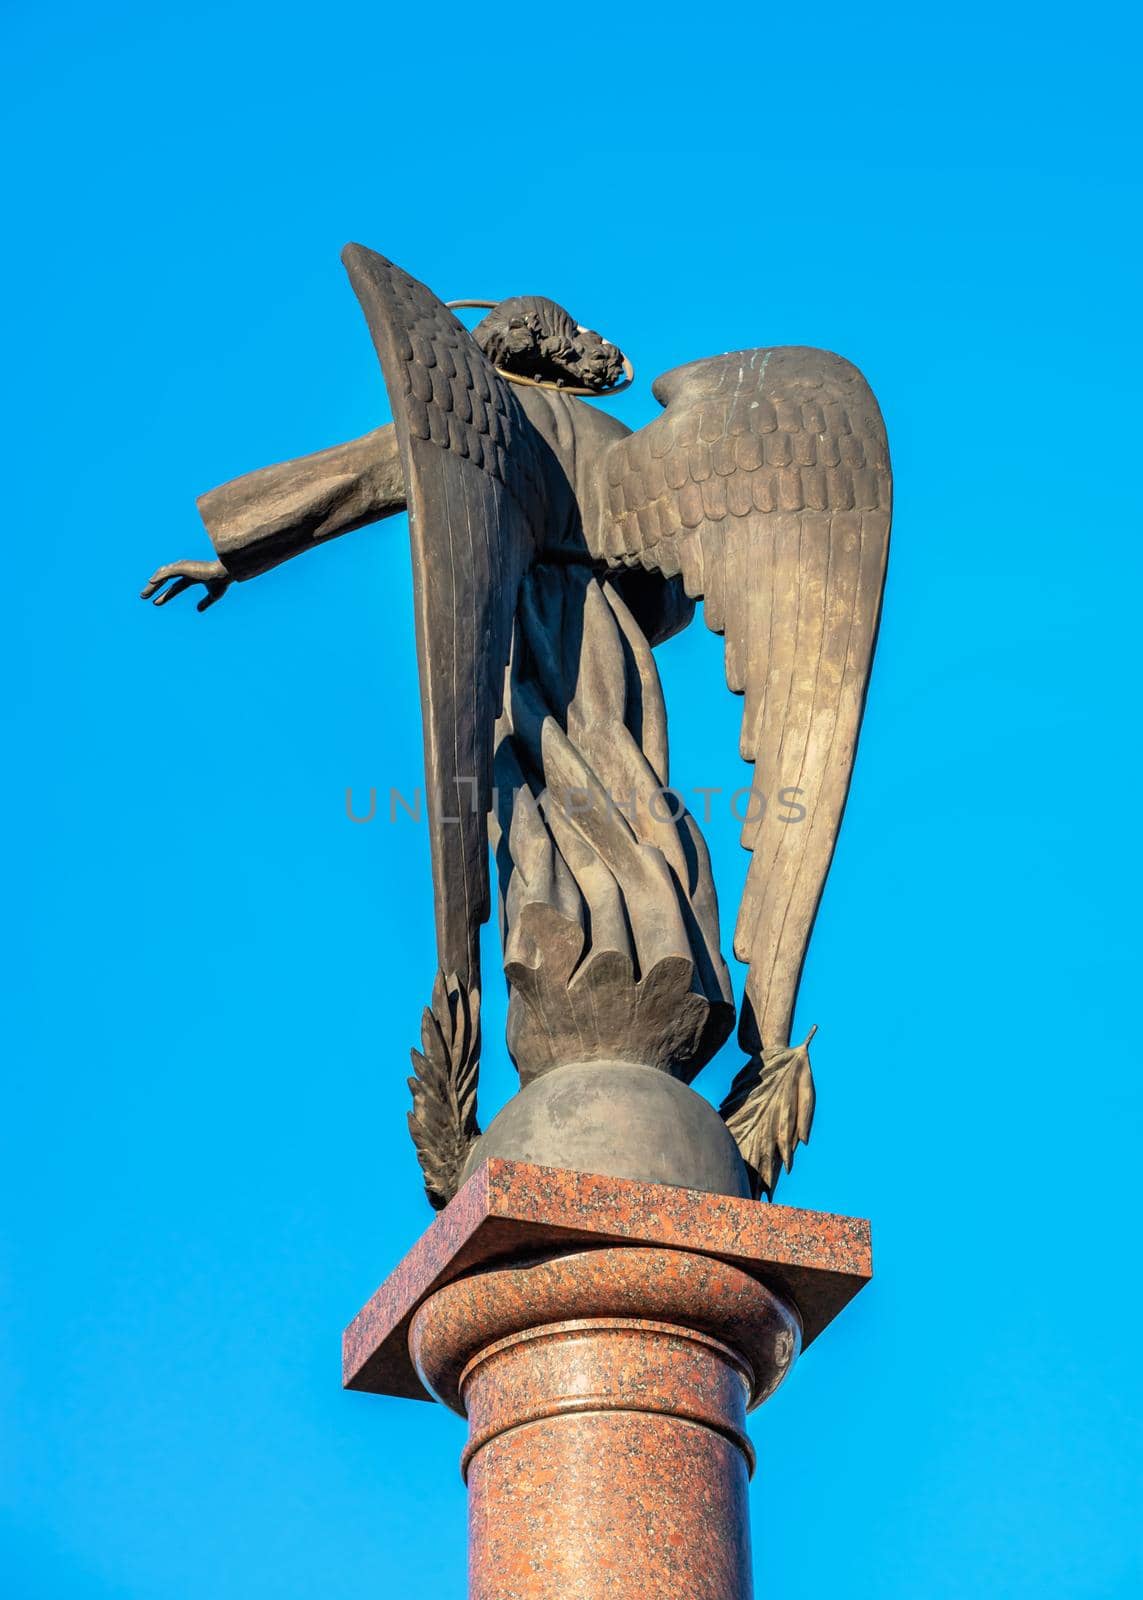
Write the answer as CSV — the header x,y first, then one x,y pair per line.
x,y
606,1392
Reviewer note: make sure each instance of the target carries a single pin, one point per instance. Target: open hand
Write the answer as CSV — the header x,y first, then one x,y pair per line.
x,y
181,575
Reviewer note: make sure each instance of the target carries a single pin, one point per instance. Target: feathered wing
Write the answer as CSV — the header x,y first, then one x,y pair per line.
x,y
473,467
766,483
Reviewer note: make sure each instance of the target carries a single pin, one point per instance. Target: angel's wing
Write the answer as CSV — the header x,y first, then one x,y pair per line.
x,y
474,468
766,483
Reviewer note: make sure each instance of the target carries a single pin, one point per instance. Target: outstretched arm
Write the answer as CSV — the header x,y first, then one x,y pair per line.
x,y
258,521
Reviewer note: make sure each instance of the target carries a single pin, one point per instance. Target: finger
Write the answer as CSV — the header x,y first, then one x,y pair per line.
x,y
211,596
176,588
195,571
171,569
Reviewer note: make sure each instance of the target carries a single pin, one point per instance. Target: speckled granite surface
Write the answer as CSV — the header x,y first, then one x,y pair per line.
x,y
510,1211
607,1455
460,1326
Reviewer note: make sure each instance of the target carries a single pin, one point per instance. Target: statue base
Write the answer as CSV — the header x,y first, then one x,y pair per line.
x,y
605,1339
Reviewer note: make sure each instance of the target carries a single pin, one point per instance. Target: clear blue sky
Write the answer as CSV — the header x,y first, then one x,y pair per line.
x,y
216,977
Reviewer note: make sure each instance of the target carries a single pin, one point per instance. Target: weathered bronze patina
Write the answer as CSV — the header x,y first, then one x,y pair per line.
x,y
552,549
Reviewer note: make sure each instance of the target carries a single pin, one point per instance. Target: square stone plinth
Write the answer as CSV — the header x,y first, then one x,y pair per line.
x,y
510,1209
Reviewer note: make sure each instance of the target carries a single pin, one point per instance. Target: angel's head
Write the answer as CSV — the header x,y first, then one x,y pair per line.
x,y
535,338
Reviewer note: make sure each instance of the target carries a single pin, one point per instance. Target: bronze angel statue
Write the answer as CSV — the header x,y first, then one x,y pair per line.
x,y
552,550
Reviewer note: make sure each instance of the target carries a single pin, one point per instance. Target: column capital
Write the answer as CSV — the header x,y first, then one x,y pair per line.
x,y
508,1211
464,1323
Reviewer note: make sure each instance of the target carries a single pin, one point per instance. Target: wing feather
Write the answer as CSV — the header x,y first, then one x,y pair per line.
x,y
766,481
474,469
